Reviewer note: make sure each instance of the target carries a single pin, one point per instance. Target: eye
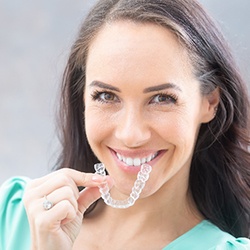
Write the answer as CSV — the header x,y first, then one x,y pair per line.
x,y
164,99
105,97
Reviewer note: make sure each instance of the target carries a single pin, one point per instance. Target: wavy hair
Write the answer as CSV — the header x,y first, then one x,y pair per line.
x,y
220,169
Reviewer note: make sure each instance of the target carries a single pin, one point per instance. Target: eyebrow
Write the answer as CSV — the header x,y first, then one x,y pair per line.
x,y
104,86
162,87
146,90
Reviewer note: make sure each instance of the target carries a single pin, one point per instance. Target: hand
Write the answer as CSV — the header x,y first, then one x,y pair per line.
x,y
58,227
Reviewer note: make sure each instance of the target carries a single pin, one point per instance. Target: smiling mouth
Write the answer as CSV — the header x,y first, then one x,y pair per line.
x,y
136,161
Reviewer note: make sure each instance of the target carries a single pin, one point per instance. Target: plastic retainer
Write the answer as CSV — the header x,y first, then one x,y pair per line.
x,y
139,184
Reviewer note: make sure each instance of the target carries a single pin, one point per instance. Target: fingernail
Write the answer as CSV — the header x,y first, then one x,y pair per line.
x,y
98,178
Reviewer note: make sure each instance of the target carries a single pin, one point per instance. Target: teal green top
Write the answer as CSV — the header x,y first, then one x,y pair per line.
x,y
14,226
15,233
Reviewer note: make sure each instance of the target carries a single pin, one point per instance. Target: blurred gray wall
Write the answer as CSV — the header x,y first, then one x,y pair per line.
x,y
35,37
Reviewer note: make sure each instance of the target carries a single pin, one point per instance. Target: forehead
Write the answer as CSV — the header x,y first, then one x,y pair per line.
x,y
128,34
135,47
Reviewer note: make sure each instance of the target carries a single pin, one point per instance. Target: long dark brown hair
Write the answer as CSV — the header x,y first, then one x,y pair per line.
x,y
219,175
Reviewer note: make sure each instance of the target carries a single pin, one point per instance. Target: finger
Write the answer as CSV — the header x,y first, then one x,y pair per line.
x,y
79,178
64,178
52,218
63,193
49,221
50,185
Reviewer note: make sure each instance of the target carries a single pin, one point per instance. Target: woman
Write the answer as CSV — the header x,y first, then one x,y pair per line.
x,y
147,81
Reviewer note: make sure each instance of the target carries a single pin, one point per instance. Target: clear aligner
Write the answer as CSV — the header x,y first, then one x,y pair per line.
x,y
139,184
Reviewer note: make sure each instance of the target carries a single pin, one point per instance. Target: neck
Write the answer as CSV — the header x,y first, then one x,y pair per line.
x,y
174,215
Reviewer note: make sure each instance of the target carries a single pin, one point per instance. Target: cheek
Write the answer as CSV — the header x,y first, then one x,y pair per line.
x,y
180,130
97,125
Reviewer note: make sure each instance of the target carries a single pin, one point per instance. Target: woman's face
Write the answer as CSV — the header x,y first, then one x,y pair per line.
x,y
143,104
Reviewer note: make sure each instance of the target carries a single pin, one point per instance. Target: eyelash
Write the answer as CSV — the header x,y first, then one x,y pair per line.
x,y
96,96
171,98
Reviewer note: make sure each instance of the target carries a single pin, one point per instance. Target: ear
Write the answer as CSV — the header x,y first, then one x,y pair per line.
x,y
210,105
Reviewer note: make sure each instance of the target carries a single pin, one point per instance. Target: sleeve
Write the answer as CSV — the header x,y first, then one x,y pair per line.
x,y
14,226
235,244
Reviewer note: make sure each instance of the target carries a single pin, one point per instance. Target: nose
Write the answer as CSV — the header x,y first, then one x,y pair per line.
x,y
132,128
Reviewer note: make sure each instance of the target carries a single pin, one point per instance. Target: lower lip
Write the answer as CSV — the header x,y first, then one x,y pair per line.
x,y
134,169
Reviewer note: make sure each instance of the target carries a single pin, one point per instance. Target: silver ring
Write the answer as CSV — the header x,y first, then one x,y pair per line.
x,y
47,205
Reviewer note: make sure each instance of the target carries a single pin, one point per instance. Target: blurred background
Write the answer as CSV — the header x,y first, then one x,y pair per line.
x,y
35,38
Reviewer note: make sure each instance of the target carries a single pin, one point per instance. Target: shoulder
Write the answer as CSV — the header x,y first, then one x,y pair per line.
x,y
207,236
11,193
221,240
233,244
13,187
14,225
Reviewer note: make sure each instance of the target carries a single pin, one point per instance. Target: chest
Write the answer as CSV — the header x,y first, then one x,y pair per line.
x,y
100,239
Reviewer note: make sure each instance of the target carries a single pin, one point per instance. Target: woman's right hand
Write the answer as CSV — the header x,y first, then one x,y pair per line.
x,y
58,227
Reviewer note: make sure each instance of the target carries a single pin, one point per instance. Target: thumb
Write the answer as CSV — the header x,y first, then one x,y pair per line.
x,y
89,195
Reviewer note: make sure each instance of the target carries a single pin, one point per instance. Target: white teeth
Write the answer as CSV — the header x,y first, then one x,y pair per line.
x,y
119,156
136,161
149,158
129,161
